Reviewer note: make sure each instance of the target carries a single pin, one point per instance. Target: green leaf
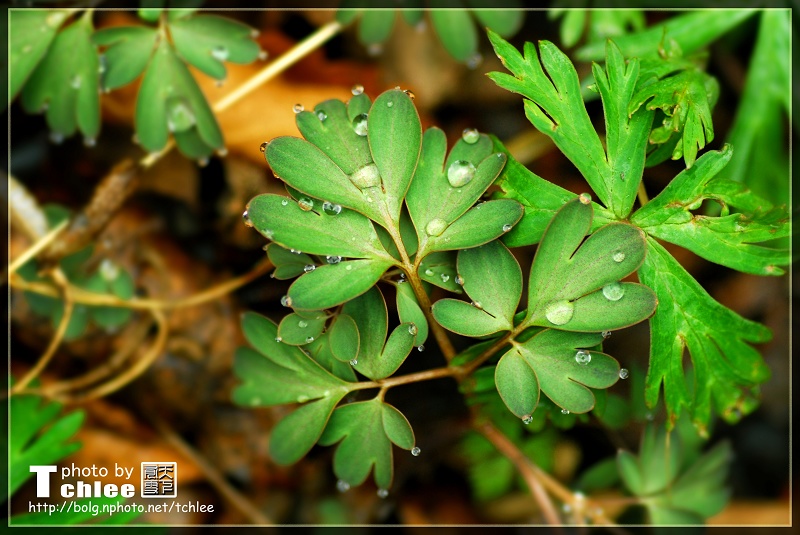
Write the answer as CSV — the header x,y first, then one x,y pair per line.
x,y
726,240
372,321
658,462
287,264
376,26
686,99
626,134
330,128
692,31
128,51
481,224
296,330
307,168
726,368
206,41
395,352
566,274
456,31
66,83
439,269
171,101
277,373
395,136
321,350
365,432
517,383
344,338
315,228
493,280
762,155
37,436
409,311
444,190
555,107
601,475
540,199
505,22
31,32
333,284
563,372
297,433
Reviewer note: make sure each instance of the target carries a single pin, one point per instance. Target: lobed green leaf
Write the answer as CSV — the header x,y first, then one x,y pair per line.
x,y
32,32
334,284
128,51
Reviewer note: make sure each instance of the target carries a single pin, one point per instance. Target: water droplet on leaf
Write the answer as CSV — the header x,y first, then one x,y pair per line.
x,y
219,53
474,60
353,362
333,259
366,177
460,173
606,334
309,339
412,330
470,135
618,257
278,339
75,82
527,419
583,357
585,198
436,227
477,304
623,373
302,324
415,451
309,268
564,411
410,94
89,142
305,204
246,219
342,485
180,116
298,108
460,280
321,115
108,270
262,55
263,147
613,291
429,272
420,348
445,277
331,209
506,227
383,493
357,89
286,301
559,312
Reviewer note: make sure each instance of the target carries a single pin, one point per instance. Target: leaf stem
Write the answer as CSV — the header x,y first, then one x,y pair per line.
x,y
641,193
385,384
37,247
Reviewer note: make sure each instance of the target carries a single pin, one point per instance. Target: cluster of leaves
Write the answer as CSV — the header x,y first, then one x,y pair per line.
x,y
371,197
454,26
727,370
39,435
56,63
103,277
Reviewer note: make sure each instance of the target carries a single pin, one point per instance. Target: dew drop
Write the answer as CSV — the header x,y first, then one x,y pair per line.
x,y
108,270
278,339
460,173
564,411
284,202
331,209
420,348
585,198
357,89
618,257
321,115
263,147
606,334
436,227
89,142
470,135
527,419
219,53
383,493
342,485
180,116
445,277
297,108
429,272
305,204
302,399
309,268
302,324
286,301
410,94
202,162
389,104
366,177
262,55
56,137
75,82
506,227
559,312
415,451
623,373
309,339
477,304
333,259
246,219
412,330
348,267
353,362
583,357
374,49
460,280
222,152
295,251
474,61
613,291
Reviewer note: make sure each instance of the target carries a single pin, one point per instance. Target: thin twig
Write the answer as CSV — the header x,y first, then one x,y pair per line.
x,y
37,247
641,193
235,498
58,336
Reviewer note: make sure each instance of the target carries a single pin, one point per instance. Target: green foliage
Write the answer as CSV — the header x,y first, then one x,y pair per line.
x,y
725,368
104,277
56,64
599,25
454,26
674,488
